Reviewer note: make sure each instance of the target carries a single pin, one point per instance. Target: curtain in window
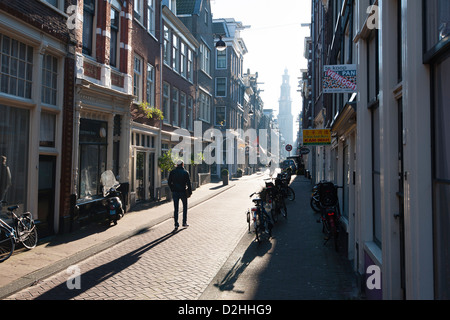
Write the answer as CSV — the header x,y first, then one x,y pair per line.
x,y
14,133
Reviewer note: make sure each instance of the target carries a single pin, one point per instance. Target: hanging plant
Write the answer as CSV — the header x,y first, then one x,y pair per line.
x,y
151,112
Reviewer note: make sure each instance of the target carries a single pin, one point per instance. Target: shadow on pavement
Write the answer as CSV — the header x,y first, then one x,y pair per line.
x,y
101,273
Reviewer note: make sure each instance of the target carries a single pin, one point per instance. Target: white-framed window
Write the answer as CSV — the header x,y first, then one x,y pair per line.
x,y
167,48
47,130
175,53
221,116
49,79
150,90
151,16
182,110
137,78
166,102
114,43
175,109
16,67
183,59
221,87
138,9
190,115
190,65
221,59
205,59
204,106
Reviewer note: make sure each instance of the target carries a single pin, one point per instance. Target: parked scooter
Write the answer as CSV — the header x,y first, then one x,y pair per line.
x,y
112,202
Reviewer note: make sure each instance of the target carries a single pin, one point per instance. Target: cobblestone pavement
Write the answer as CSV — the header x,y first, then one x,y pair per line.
x,y
157,263
294,265
215,258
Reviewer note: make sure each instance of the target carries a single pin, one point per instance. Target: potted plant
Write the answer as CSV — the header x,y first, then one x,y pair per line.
x,y
239,172
224,174
152,113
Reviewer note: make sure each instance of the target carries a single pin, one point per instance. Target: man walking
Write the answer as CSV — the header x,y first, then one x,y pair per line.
x,y
180,185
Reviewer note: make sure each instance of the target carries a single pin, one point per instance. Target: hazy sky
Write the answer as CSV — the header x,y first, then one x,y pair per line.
x,y
275,41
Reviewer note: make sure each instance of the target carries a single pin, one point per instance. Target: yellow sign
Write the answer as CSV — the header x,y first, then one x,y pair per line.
x,y
317,137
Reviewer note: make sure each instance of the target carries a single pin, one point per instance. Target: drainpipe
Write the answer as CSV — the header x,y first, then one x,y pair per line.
x,y
313,90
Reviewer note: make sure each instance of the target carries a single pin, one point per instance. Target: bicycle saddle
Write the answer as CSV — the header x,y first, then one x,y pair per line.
x,y
257,200
12,208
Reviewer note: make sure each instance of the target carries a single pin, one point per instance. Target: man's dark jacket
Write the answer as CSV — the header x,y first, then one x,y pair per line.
x,y
179,180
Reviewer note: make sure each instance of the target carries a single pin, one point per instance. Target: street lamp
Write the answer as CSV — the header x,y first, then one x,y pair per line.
x,y
221,45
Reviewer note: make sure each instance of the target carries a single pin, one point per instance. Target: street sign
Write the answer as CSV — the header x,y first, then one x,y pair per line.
x,y
304,151
316,137
288,148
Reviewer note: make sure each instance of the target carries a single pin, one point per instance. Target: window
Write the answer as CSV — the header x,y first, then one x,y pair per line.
x,y
204,106
183,59
47,130
166,45
88,26
190,117
151,16
221,59
166,103
221,116
175,106
205,56
437,54
373,70
138,10
437,23
49,79
441,174
113,50
182,110
16,67
150,93
56,4
190,66
175,53
137,79
93,150
14,145
221,87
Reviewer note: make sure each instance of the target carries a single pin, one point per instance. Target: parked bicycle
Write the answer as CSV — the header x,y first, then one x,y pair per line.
x,y
276,196
22,231
330,211
258,219
315,202
282,181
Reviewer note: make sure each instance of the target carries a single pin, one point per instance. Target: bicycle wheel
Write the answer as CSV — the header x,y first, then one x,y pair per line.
x,y
283,209
314,205
27,232
290,194
7,244
257,225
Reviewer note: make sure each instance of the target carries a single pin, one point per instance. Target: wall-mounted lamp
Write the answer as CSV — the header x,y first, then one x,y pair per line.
x,y
221,45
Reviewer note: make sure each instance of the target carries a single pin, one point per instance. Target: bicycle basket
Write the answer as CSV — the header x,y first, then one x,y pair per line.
x,y
328,194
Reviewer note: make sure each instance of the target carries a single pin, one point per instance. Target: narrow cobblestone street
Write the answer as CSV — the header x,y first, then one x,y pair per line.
x,y
214,258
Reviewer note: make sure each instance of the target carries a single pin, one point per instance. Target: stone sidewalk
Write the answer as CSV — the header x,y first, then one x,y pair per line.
x,y
24,268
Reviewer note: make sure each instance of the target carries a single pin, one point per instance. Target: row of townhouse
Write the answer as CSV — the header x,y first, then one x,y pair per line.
x,y
390,149
78,81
